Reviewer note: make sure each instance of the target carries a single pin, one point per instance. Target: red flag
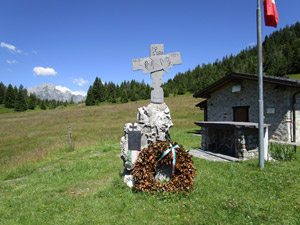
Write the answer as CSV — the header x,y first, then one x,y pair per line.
x,y
271,15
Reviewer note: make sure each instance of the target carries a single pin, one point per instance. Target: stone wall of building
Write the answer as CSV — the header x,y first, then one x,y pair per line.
x,y
241,143
297,109
277,106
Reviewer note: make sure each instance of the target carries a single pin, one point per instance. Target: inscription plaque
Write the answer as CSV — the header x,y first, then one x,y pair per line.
x,y
134,140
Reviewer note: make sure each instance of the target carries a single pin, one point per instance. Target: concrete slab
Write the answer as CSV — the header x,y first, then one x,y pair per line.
x,y
211,156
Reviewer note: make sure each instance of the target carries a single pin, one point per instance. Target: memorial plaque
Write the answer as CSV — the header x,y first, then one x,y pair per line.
x,y
270,110
134,140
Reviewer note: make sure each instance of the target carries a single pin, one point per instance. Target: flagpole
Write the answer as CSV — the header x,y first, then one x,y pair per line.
x,y
260,89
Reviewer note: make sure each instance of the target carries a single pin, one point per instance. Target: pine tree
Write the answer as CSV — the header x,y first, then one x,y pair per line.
x,y
117,91
46,102
111,92
134,96
113,99
32,101
124,97
2,92
99,90
9,99
43,105
166,92
25,93
148,92
90,100
52,104
142,94
15,92
20,103
103,92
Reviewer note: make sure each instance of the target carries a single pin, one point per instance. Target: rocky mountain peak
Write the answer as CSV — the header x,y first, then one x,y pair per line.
x,y
58,93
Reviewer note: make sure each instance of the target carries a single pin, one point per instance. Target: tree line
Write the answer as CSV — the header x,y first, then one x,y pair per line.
x,y
110,92
19,100
281,56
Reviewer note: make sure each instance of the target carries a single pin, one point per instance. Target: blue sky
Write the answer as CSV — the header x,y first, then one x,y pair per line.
x,y
69,43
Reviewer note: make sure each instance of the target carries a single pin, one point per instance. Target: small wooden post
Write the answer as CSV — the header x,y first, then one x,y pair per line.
x,y
70,137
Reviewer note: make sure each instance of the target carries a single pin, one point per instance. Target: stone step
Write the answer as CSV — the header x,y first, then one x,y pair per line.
x,y
211,156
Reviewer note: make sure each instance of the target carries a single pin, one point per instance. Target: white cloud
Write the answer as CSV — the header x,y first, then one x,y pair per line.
x,y
83,93
11,61
80,81
42,71
65,89
62,89
10,47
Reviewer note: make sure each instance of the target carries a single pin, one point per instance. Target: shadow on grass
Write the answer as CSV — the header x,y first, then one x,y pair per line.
x,y
194,132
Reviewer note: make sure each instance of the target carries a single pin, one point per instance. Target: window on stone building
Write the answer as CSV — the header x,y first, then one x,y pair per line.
x,y
241,113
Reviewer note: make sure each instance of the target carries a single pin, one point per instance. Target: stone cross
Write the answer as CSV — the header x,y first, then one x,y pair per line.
x,y
133,127
156,64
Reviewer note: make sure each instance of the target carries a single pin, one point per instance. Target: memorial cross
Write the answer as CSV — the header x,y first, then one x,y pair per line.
x,y
156,64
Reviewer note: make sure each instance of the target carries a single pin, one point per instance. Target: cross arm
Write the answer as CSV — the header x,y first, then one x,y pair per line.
x,y
156,63
170,60
175,58
140,64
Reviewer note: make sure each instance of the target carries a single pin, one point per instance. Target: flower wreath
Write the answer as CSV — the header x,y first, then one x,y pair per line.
x,y
154,156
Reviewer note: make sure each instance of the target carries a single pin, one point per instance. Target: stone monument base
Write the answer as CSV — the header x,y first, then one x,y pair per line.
x,y
154,122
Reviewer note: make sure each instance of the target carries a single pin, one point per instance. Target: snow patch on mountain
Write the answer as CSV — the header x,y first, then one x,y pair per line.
x,y
57,93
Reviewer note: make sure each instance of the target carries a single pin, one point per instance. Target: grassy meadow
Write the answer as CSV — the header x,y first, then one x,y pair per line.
x,y
42,181
294,76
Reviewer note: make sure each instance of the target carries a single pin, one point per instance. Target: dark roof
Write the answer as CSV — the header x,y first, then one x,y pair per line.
x,y
202,104
240,76
228,124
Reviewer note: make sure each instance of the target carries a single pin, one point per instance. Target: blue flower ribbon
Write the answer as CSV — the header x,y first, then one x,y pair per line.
x,y
174,158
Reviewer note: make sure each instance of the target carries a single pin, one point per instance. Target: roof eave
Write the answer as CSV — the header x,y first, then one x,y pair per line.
x,y
205,92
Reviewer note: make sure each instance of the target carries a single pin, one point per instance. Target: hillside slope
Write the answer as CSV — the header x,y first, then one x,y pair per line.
x,y
29,136
281,56
44,182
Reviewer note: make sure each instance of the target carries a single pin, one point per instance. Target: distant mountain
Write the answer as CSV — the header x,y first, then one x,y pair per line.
x,y
58,93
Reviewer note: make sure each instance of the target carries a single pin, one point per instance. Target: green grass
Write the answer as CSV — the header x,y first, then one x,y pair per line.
x,y
294,76
84,185
5,110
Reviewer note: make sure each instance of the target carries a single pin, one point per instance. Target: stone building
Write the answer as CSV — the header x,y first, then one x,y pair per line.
x,y
232,103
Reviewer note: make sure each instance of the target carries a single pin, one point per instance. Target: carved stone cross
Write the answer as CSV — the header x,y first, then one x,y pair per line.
x,y
133,127
156,64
